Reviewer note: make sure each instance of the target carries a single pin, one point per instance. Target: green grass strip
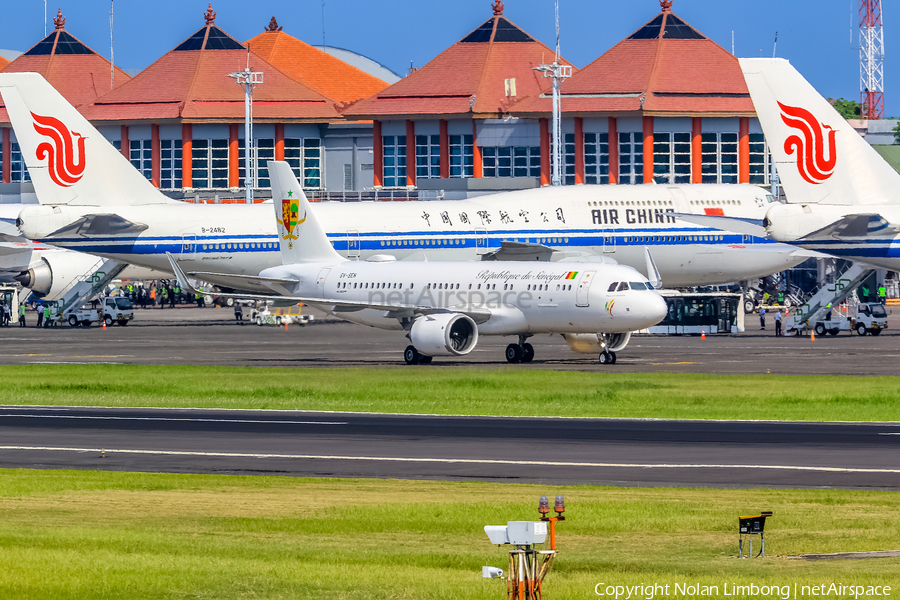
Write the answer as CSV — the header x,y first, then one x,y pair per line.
x,y
459,391
84,535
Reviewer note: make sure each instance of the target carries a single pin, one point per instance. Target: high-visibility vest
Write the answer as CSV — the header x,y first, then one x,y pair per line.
x,y
46,312
22,310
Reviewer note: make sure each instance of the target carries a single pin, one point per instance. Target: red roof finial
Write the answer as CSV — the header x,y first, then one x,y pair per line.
x,y
59,21
498,8
666,5
273,26
210,15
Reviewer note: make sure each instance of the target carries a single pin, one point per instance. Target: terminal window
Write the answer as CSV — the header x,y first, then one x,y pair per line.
x,y
18,171
631,158
170,164
760,167
428,156
462,156
719,157
569,159
209,164
141,155
596,158
394,152
511,161
304,157
672,157
264,149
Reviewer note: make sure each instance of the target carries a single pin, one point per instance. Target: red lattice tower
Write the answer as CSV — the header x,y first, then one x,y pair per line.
x,y
871,59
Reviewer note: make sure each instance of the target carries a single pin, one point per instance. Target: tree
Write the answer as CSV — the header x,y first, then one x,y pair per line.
x,y
848,109
897,132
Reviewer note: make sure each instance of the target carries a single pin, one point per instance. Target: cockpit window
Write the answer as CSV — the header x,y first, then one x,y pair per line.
x,y
623,286
637,285
613,286
770,198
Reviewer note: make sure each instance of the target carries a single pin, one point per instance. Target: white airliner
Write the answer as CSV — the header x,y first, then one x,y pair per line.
x,y
94,201
445,306
843,197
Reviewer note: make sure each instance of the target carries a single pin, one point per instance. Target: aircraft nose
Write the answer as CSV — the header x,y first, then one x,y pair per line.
x,y
656,307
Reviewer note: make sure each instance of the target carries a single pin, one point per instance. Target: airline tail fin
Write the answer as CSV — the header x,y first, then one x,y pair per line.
x,y
301,237
819,157
69,161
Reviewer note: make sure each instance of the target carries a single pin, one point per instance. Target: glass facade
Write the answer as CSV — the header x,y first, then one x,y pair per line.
x,y
462,156
428,156
760,167
672,157
720,157
18,170
596,158
305,158
511,161
209,164
631,158
141,155
394,160
170,164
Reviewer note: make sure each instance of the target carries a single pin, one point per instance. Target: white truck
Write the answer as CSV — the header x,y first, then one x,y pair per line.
x,y
266,314
114,310
870,317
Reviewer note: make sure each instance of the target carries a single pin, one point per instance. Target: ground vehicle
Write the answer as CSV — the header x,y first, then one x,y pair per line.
x,y
115,310
709,313
870,317
266,314
10,297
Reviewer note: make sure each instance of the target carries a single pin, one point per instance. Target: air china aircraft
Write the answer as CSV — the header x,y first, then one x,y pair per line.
x,y
95,201
843,197
445,306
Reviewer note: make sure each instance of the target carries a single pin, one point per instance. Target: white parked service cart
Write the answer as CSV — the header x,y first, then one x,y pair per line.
x,y
266,314
114,310
869,317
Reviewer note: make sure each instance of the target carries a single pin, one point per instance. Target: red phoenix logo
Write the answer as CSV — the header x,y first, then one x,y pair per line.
x,y
810,148
60,154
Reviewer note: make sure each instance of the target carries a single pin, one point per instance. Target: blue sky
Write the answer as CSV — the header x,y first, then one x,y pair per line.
x,y
815,36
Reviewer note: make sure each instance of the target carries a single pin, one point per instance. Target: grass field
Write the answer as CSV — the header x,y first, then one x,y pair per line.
x,y
469,392
84,535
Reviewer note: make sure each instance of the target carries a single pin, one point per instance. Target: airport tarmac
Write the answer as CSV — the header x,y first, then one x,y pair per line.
x,y
515,450
209,336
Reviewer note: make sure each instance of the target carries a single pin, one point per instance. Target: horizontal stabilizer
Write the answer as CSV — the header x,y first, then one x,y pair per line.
x,y
855,226
752,227
520,251
90,226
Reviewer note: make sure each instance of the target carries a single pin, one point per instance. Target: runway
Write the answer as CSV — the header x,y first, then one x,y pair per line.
x,y
209,337
527,450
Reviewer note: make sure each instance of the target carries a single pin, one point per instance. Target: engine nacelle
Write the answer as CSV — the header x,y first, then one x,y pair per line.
x,y
52,273
593,343
450,334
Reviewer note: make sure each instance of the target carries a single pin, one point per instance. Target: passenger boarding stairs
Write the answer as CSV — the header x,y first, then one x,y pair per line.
x,y
88,286
828,295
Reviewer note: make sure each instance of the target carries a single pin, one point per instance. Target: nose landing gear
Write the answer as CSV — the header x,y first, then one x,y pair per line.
x,y
607,358
521,352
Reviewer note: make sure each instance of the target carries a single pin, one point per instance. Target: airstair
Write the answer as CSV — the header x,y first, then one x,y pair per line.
x,y
88,286
828,295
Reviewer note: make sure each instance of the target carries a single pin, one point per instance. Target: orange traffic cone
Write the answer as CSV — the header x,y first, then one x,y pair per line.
x,y
285,325
812,336
104,324
703,334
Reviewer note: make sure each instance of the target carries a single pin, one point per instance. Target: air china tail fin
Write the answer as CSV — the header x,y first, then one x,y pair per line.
x,y
69,161
302,238
820,158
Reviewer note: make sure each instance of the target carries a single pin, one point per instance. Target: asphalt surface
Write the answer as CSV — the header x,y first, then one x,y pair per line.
x,y
559,451
210,337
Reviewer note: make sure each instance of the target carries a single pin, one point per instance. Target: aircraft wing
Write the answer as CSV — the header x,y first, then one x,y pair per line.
x,y
240,282
855,226
520,251
752,227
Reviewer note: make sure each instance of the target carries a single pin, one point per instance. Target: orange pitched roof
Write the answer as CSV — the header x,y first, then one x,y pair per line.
x,y
665,67
3,63
468,77
328,75
191,83
75,70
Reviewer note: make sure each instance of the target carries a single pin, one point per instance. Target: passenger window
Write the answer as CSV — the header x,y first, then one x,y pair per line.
x,y
623,286
613,286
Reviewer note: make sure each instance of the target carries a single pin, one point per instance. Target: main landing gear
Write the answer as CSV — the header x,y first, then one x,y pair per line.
x,y
413,357
521,352
607,358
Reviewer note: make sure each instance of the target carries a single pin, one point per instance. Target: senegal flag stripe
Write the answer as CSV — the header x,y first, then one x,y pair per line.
x,y
571,274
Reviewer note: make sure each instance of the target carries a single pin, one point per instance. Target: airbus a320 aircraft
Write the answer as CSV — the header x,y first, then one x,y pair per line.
x,y
95,201
445,306
843,197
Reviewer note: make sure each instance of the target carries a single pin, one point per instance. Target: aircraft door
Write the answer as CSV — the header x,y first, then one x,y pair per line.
x,y
584,286
609,241
353,248
188,245
481,241
320,282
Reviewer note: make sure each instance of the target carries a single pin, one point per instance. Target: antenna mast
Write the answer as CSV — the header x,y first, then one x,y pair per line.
x,y
871,60
558,72
112,56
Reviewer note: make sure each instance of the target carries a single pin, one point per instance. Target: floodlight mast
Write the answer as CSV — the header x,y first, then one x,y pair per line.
x,y
558,72
249,79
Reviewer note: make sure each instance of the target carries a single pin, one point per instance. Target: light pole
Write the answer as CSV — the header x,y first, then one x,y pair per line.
x,y
558,72
249,79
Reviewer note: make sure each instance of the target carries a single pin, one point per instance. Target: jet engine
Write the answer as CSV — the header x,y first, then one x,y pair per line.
x,y
51,274
446,334
592,343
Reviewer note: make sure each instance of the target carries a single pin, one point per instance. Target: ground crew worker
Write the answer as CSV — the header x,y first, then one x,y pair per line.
x,y
199,296
882,294
170,293
865,294
238,312
778,323
762,317
21,315
765,297
40,313
46,316
781,298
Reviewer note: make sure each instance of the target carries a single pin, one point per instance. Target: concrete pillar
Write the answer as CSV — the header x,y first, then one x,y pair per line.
x,y
7,155
613,150
478,163
156,152
648,149
378,149
234,149
445,150
125,142
579,151
279,141
697,150
187,147
744,150
545,152
410,153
